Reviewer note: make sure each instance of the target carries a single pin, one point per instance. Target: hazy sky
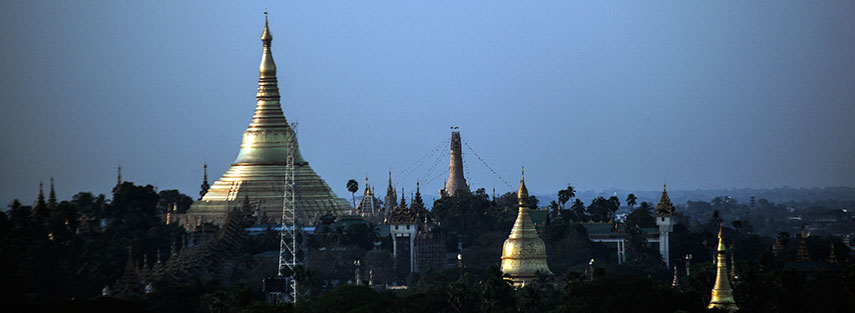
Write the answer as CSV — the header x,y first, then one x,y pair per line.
x,y
631,94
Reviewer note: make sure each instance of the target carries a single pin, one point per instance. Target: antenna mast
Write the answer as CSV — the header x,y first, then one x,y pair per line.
x,y
288,247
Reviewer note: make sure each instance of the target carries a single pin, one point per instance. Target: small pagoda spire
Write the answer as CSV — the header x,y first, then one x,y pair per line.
x,y
205,186
722,294
391,195
119,176
40,210
41,198
403,204
51,203
522,193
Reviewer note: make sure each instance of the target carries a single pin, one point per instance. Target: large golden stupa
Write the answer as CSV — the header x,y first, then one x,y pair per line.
x,y
524,254
259,171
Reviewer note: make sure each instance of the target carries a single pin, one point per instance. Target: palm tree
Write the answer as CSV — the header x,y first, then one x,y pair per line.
x,y
571,192
563,197
646,207
353,187
579,210
630,200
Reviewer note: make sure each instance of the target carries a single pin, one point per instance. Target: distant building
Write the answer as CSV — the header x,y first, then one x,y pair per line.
x,y
613,234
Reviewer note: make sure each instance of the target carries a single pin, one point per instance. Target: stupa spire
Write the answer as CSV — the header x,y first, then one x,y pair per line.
x,y
391,195
524,253
456,182
51,203
722,294
40,209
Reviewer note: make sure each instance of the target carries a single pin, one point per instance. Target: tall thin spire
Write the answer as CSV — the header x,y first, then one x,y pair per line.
x,y
722,294
391,195
205,186
40,209
119,176
51,203
456,182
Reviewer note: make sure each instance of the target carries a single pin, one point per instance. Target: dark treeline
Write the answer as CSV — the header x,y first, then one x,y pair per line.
x,y
60,255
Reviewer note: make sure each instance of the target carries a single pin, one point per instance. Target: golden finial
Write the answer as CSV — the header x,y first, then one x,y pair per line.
x,y
266,37
522,193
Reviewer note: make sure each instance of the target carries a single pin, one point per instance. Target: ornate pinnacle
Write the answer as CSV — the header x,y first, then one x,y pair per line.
x,y
522,193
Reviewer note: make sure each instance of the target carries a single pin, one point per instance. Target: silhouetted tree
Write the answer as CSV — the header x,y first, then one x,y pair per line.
x,y
353,187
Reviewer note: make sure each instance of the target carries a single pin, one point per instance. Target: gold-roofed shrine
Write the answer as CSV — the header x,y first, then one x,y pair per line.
x,y
524,253
257,176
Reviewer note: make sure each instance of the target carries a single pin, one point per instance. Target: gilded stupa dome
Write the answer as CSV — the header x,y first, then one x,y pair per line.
x,y
524,253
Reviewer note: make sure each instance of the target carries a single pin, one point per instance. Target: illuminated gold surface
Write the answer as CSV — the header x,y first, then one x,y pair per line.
x,y
524,253
258,172
722,294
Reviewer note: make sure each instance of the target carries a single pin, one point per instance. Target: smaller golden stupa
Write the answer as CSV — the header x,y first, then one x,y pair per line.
x,y
524,254
722,294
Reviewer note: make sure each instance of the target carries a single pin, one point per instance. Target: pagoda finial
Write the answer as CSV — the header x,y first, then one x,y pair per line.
x,y
119,176
265,36
522,193
267,69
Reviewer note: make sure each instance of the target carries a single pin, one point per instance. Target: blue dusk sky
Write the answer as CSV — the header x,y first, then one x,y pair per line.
x,y
627,94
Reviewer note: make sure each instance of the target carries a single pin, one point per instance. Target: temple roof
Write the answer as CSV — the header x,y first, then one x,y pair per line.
x,y
664,207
